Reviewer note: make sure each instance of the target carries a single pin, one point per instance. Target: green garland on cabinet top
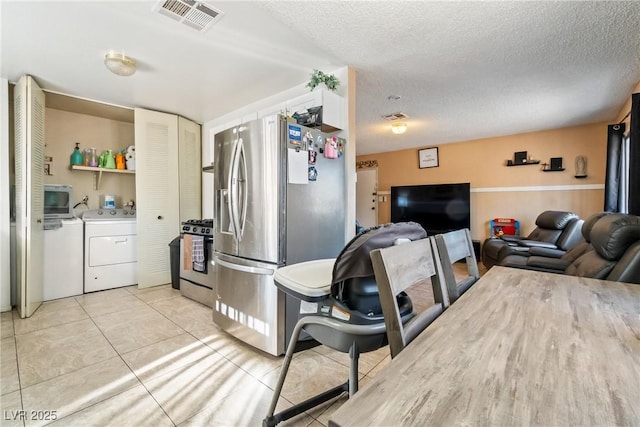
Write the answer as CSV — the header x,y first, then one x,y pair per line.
x,y
318,77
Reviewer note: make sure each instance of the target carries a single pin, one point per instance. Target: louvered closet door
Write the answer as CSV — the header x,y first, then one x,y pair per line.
x,y
189,154
29,103
157,194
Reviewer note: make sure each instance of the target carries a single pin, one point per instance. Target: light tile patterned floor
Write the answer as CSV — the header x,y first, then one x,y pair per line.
x,y
150,357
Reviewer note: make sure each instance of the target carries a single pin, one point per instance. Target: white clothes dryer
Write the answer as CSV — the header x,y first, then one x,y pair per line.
x,y
110,249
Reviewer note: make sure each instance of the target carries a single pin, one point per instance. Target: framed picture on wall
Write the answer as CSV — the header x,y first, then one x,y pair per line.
x,y
428,158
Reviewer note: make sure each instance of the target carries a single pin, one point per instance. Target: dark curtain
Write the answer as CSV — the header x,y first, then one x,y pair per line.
x,y
612,179
634,156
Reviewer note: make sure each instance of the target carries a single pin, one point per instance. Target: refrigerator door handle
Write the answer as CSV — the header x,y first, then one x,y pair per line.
x,y
242,184
233,184
244,268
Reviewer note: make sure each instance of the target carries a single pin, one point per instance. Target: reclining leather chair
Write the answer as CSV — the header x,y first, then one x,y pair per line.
x,y
616,255
554,260
554,230
610,251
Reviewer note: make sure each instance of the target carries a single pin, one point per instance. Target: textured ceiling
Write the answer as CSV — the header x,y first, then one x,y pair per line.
x,y
463,70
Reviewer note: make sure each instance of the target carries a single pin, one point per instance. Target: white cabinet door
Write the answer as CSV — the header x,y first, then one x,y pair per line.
x,y
274,109
249,117
29,104
302,103
333,108
189,155
157,191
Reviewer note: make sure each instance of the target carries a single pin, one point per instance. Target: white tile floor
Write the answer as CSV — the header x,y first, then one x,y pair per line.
x,y
150,357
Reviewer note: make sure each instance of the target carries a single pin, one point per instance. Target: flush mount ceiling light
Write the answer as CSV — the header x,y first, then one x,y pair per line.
x,y
399,128
120,64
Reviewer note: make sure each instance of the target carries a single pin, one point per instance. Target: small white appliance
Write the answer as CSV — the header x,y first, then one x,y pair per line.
x,y
58,201
63,260
110,249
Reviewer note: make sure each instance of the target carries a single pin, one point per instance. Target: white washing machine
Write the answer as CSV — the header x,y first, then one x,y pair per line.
x,y
110,249
63,260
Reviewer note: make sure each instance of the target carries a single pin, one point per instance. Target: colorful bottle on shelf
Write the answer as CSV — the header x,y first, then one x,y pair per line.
x,y
109,160
120,160
90,157
76,156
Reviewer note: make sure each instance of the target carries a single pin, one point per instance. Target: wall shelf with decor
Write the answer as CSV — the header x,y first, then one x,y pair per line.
x,y
97,173
552,170
531,162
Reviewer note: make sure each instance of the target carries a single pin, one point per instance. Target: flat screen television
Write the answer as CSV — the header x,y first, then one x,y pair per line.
x,y
438,208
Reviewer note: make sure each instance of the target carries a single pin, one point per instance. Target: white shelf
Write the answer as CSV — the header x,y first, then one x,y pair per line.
x,y
97,176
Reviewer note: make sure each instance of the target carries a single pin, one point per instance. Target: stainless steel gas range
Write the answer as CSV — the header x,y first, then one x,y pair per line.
x,y
197,272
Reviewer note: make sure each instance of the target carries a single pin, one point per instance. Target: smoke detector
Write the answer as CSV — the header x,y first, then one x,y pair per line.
x,y
193,14
395,116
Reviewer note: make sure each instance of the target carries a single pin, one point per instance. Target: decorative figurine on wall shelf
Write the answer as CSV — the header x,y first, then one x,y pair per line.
x,y
581,167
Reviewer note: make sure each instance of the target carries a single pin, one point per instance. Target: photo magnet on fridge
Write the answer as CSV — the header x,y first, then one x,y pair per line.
x,y
313,173
295,135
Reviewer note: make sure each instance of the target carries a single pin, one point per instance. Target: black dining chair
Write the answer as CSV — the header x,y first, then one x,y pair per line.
x,y
452,247
397,268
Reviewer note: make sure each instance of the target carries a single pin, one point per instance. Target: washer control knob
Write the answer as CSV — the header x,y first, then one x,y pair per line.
x,y
99,212
112,212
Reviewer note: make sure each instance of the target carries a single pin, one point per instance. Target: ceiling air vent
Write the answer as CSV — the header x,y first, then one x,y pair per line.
x,y
194,14
395,116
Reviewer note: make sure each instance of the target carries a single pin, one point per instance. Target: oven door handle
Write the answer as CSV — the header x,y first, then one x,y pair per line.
x,y
244,268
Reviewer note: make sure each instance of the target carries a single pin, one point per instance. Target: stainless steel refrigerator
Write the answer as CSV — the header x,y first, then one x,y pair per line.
x,y
278,201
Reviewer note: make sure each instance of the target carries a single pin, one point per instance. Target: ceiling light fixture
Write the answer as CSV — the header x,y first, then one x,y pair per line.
x,y
120,64
399,128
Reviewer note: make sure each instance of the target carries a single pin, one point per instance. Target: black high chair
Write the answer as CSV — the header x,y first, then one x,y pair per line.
x,y
340,307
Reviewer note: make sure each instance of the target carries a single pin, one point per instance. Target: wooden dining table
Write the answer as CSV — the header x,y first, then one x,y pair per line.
x,y
519,348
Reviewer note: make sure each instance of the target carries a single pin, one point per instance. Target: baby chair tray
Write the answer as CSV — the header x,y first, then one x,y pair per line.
x,y
309,281
327,320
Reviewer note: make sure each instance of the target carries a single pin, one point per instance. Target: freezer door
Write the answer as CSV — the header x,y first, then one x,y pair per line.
x,y
248,305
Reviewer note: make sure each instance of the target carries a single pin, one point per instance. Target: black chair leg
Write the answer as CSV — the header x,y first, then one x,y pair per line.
x,y
272,419
354,354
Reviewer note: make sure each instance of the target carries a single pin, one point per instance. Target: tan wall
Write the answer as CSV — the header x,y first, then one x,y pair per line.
x,y
483,163
62,130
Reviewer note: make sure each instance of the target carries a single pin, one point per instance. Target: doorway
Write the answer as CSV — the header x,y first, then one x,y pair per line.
x,y
367,197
